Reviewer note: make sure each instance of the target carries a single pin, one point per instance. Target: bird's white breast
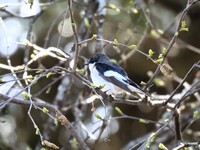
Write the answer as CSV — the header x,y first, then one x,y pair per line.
x,y
108,87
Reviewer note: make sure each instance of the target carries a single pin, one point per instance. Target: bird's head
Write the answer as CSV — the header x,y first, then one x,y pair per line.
x,y
98,57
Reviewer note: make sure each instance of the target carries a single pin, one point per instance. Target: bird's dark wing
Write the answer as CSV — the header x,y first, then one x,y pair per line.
x,y
108,65
124,83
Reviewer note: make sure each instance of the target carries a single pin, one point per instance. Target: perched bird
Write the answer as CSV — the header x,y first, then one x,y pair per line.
x,y
111,77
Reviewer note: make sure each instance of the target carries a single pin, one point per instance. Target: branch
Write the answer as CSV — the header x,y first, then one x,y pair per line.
x,y
188,6
61,118
75,35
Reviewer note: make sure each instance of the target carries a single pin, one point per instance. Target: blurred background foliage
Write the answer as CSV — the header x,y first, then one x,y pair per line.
x,y
121,20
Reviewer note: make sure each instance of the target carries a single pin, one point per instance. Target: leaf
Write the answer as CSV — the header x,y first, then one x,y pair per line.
x,y
150,140
143,121
25,95
119,110
45,110
151,52
183,26
195,114
164,50
113,7
184,29
94,36
86,21
37,131
1,80
113,60
115,42
162,147
98,116
56,122
132,46
74,143
158,82
160,31
158,61
166,120
2,6
160,56
155,34
48,74
81,71
39,71
97,87
142,83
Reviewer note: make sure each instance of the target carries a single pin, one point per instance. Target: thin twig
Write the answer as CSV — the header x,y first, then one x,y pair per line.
x,y
75,35
171,42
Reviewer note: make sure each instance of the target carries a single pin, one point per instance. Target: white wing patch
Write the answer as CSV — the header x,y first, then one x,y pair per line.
x,y
99,81
118,76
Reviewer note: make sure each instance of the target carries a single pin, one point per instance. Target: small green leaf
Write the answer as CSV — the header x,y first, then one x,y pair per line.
x,y
98,116
142,83
176,34
114,61
166,120
81,71
56,122
43,148
86,21
135,11
160,56
151,52
115,42
74,143
25,95
37,131
154,34
2,6
132,46
162,147
45,110
150,140
72,24
143,121
164,50
95,86
149,73
158,82
1,80
39,71
119,110
21,67
183,26
195,114
48,74
184,29
113,7
94,36
158,61
160,31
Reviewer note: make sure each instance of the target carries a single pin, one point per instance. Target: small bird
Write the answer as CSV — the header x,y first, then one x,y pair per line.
x,y
111,77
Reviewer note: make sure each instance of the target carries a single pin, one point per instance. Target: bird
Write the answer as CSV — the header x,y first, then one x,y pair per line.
x,y
112,78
